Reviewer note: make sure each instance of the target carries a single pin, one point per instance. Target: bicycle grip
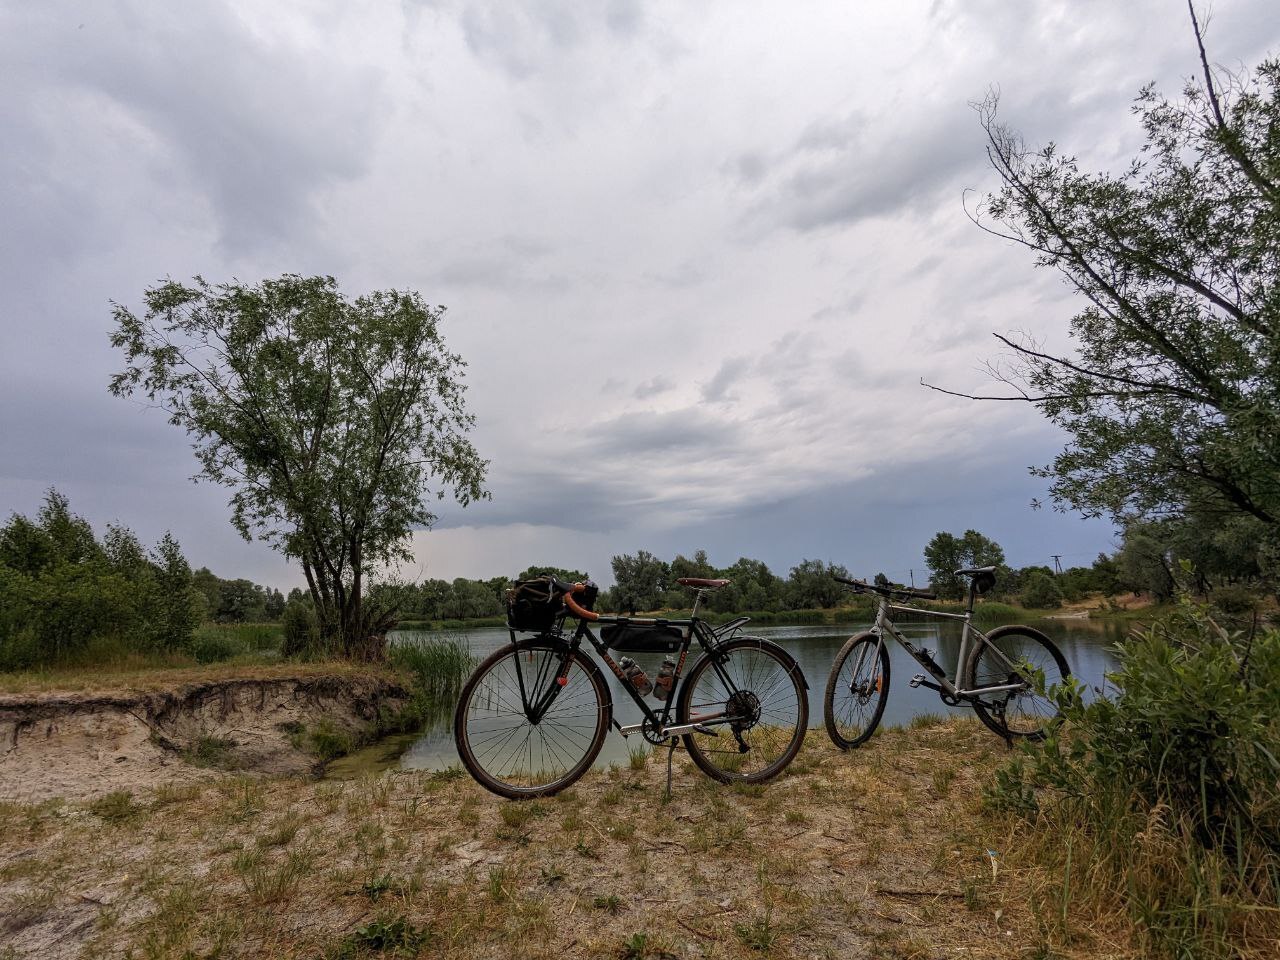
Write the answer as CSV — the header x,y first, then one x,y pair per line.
x,y
582,613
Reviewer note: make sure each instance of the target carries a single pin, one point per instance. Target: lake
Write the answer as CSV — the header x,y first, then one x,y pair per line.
x,y
1085,644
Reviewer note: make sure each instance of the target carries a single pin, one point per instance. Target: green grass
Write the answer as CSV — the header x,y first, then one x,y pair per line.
x,y
214,642
115,807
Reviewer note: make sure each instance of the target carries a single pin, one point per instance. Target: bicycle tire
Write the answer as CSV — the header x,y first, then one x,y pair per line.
x,y
494,736
1035,715
769,684
846,695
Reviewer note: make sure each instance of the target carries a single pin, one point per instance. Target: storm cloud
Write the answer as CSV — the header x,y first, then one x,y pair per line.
x,y
697,257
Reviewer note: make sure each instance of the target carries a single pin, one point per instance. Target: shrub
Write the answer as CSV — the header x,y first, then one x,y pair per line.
x,y
1042,592
1235,601
212,645
1166,793
65,593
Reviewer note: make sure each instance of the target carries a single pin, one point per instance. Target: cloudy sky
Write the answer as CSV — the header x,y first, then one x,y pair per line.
x,y
698,256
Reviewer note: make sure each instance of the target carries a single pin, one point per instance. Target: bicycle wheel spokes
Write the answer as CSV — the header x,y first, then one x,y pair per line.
x,y
755,699
856,691
1019,656
506,750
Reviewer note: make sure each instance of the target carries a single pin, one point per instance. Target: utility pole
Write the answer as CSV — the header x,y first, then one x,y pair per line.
x,y
913,579
1057,563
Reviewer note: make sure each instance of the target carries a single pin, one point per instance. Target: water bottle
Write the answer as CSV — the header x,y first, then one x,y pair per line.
x,y
637,678
664,680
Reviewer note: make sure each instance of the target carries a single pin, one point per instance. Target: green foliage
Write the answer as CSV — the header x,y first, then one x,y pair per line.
x,y
65,594
1170,785
439,667
327,742
810,585
330,420
1042,592
1171,393
640,580
947,553
385,936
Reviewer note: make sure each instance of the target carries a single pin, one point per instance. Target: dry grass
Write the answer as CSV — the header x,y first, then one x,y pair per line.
x,y
877,853
127,679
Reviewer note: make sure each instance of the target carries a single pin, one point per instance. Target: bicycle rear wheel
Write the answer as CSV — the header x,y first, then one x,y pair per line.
x,y
506,751
749,693
1004,659
857,691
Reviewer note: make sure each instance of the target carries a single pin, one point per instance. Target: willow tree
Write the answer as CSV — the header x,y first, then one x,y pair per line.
x,y
334,422
1171,395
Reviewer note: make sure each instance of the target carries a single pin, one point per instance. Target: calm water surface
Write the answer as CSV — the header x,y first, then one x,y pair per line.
x,y
1086,646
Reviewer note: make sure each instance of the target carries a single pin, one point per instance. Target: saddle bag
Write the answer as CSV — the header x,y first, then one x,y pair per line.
x,y
642,638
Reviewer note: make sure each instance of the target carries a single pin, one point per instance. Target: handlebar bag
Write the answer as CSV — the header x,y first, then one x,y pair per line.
x,y
534,605
642,638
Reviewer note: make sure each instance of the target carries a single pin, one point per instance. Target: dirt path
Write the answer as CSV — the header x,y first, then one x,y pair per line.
x,y
878,853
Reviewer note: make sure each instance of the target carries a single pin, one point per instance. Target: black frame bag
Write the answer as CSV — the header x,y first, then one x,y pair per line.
x,y
642,637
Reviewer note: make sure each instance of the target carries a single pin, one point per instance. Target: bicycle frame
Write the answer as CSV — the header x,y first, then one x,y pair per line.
x,y
941,682
693,628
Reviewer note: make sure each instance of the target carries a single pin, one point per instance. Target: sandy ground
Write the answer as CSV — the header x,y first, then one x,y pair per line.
x,y
76,744
878,853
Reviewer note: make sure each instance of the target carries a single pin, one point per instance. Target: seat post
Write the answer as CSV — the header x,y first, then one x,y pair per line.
x,y
973,593
697,601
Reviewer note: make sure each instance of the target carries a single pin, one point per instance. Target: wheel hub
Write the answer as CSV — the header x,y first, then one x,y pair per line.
x,y
744,708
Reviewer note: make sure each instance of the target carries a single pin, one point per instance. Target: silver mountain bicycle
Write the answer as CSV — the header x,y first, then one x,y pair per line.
x,y
1001,674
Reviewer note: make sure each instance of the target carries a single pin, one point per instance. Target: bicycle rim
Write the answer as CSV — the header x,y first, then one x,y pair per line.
x,y
757,691
857,691
1026,713
503,749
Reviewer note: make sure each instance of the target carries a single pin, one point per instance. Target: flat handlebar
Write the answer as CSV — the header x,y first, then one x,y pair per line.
x,y
862,585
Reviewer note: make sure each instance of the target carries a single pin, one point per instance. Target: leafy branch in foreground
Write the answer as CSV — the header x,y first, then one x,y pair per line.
x,y
1172,396
332,420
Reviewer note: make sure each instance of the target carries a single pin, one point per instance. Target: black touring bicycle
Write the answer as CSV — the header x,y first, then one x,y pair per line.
x,y
532,718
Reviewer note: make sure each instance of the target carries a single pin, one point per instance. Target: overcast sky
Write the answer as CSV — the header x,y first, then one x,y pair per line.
x,y
698,256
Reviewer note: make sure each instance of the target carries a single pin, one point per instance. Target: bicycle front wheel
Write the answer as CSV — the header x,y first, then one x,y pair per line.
x,y
749,696
857,691
1007,657
513,754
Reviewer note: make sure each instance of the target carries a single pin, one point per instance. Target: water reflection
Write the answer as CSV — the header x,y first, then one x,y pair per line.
x,y
1085,644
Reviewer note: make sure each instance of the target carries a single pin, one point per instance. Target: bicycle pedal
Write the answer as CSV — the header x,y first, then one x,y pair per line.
x,y
918,679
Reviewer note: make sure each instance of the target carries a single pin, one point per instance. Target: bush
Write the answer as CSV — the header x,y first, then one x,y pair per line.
x,y
1042,592
214,646
1235,601
65,593
1166,794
